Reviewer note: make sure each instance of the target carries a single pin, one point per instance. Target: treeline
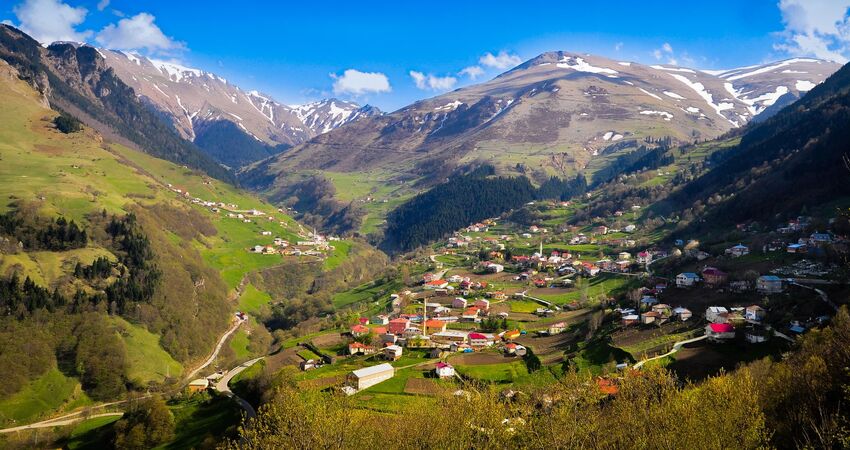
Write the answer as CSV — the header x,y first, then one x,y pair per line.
x,y
466,199
796,403
137,281
67,123
447,207
641,159
39,233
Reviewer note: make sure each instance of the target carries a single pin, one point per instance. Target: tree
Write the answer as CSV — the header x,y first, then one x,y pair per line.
x,y
146,425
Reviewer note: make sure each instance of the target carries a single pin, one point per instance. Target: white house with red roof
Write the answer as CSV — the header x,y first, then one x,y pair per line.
x,y
444,370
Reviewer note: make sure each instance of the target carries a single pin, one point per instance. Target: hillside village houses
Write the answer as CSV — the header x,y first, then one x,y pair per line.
x,y
738,251
686,279
769,284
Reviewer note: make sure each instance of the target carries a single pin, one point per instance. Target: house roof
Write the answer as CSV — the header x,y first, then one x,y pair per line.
x,y
359,329
436,283
373,370
443,365
688,275
477,336
433,323
770,278
721,328
357,345
713,271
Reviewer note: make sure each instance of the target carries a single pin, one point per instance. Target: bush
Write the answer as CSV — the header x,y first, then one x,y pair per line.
x,y
67,123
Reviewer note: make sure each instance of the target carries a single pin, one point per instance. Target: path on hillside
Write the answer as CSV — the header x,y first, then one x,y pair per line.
x,y
222,385
70,418
676,347
820,292
217,348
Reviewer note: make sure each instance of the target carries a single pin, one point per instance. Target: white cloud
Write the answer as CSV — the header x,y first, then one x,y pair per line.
x,y
472,72
501,61
355,82
432,82
671,57
7,22
667,47
49,21
137,33
819,28
102,4
618,46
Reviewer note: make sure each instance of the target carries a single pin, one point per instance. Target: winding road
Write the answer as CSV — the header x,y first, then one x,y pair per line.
x,y
676,347
222,385
74,417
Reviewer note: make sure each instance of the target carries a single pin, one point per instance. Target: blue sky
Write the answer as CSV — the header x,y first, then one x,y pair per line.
x,y
392,53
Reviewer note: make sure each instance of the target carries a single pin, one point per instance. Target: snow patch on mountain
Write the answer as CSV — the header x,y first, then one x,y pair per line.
x,y
580,65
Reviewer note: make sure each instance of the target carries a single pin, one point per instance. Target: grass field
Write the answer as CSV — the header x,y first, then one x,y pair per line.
x,y
91,433
49,393
239,344
507,372
366,292
341,250
252,299
602,285
146,359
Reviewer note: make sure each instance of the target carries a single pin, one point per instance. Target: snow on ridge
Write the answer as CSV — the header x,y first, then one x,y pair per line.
x,y
672,69
624,63
175,72
667,116
769,68
608,136
649,93
804,85
699,88
451,106
580,65
673,95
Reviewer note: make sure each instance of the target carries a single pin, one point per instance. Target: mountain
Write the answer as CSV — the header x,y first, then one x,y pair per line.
x,y
792,162
191,99
76,79
556,114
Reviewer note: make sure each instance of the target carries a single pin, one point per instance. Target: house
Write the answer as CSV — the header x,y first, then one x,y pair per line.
x,y
557,328
686,279
510,348
756,335
356,348
682,314
435,326
266,233
738,251
449,336
662,309
714,277
459,302
719,332
602,229
820,238
644,257
716,314
755,313
370,376
392,352
363,320
480,339
388,338
650,317
482,304
648,301
436,284
471,315
624,255
199,385
796,248
359,330
511,335
381,319
444,370
494,268
769,284
630,319
397,326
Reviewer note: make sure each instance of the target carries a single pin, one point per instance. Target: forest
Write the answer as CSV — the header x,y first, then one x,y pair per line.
x,y
226,143
466,199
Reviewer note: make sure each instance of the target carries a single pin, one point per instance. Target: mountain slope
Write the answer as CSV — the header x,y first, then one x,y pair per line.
x,y
555,104
76,79
791,162
556,114
190,98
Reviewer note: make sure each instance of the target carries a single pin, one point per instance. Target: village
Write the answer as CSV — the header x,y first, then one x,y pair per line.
x,y
513,304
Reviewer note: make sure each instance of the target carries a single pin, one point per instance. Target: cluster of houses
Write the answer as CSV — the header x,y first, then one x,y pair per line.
x,y
713,277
